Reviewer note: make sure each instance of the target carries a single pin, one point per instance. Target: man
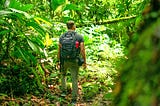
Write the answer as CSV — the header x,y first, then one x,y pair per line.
x,y
71,63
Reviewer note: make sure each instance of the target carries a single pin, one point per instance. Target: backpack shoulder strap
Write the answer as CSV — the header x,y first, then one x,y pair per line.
x,y
64,35
75,35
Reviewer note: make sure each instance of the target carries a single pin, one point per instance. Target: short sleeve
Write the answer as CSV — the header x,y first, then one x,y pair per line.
x,y
60,38
80,38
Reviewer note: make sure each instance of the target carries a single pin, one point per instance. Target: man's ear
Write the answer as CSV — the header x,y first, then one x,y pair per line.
x,y
74,27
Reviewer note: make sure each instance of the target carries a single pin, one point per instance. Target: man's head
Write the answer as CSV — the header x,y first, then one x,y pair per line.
x,y
71,25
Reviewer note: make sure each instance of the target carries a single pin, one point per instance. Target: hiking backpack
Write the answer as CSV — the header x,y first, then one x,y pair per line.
x,y
70,46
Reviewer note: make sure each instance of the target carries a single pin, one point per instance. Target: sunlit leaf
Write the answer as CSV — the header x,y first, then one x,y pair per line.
x,y
56,3
33,46
37,27
4,12
39,41
21,12
100,28
40,69
47,41
38,19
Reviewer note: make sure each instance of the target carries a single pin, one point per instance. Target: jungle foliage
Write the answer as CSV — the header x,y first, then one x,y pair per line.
x,y
139,79
29,34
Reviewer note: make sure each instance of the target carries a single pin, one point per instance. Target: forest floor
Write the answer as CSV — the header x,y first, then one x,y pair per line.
x,y
31,100
95,86
94,90
54,97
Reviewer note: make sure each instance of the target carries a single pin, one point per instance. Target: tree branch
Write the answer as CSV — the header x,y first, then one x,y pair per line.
x,y
106,21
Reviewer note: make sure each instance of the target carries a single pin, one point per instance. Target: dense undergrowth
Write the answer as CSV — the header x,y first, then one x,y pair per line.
x,y
28,51
20,82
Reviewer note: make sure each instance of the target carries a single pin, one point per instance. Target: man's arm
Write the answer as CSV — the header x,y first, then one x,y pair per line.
x,y
59,64
83,53
59,48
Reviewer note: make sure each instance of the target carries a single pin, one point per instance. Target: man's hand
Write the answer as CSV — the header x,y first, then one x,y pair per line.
x,y
83,53
58,65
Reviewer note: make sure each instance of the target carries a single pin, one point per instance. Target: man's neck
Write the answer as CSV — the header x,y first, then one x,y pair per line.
x,y
71,30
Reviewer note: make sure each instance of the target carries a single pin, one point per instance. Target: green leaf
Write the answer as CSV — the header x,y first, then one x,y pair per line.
x,y
22,54
38,79
108,96
71,7
4,23
2,95
33,46
31,57
66,18
27,7
19,6
56,3
37,27
14,4
4,12
3,32
21,12
39,41
40,70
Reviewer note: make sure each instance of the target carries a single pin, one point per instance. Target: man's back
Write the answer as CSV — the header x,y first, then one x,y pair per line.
x,y
70,43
